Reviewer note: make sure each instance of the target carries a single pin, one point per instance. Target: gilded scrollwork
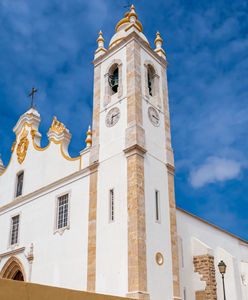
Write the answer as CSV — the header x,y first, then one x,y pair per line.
x,y
57,126
22,147
13,146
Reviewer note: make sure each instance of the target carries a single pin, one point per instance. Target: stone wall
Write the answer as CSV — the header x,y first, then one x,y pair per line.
x,y
204,265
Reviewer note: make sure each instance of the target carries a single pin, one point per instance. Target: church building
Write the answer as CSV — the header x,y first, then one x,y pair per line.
x,y
106,221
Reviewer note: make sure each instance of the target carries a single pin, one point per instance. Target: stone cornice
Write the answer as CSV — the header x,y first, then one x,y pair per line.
x,y
43,190
94,166
170,168
135,149
12,252
130,37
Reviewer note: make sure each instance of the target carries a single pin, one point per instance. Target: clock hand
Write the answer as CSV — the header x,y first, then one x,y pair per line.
x,y
155,117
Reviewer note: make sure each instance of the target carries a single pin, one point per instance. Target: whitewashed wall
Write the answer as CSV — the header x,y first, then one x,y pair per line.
x,y
198,238
111,250
158,234
59,260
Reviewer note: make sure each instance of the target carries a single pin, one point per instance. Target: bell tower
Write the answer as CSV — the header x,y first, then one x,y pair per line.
x,y
132,235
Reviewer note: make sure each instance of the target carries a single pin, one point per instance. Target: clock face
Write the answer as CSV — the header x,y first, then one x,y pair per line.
x,y
112,117
153,116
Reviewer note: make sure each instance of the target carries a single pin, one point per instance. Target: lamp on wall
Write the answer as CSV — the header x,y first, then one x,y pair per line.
x,y
222,269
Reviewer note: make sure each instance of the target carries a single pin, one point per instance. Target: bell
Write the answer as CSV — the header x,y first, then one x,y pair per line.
x,y
113,81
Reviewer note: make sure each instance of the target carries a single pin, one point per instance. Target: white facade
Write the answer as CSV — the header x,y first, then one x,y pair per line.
x,y
61,256
200,238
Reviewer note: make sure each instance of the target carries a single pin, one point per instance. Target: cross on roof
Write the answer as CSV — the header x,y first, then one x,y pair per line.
x,y
32,94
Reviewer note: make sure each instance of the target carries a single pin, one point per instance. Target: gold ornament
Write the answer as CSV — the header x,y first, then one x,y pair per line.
x,y
57,126
13,146
22,147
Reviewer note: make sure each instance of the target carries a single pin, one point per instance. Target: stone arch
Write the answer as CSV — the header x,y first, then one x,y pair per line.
x,y
13,269
114,63
152,72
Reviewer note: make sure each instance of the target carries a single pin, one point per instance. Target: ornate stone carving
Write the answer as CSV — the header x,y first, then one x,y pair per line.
x,y
57,126
22,146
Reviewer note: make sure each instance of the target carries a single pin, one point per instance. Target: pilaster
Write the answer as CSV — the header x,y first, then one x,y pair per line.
x,y
135,151
171,191
94,158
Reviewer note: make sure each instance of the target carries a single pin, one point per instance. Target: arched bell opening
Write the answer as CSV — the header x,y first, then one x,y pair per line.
x,y
113,79
151,80
13,269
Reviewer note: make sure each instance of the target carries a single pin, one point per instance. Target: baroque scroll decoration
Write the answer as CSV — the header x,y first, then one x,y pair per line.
x,y
22,147
57,126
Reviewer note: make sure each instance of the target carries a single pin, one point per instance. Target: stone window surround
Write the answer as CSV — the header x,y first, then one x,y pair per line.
x,y
16,183
67,227
112,205
14,246
157,207
107,89
155,99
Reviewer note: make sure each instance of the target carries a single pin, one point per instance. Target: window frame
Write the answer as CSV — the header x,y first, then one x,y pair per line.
x,y
16,183
111,205
109,95
56,219
112,70
157,206
10,245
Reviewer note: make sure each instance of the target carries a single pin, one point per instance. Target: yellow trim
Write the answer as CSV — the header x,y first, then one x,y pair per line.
x,y
133,25
101,49
122,38
39,148
7,165
61,149
121,22
13,146
116,42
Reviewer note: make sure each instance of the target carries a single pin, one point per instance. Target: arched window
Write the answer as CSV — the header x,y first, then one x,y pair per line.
x,y
19,183
113,78
113,81
150,80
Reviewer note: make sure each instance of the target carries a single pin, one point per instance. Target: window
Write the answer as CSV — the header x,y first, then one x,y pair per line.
x,y
157,206
111,206
150,80
184,294
14,232
19,184
62,211
113,79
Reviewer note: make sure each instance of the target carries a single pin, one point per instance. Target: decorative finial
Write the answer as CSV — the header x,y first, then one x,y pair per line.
x,y
88,138
32,94
100,42
158,43
30,254
132,14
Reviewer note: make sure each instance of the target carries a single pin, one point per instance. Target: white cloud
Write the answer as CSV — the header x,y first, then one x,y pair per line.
x,y
213,170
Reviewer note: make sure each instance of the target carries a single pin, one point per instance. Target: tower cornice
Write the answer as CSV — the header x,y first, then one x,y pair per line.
x,y
132,36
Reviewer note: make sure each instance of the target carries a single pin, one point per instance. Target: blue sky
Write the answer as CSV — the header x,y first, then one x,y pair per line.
x,y
50,44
